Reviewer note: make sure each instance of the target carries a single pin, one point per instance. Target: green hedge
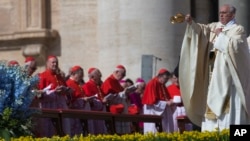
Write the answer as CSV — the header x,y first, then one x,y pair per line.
x,y
185,136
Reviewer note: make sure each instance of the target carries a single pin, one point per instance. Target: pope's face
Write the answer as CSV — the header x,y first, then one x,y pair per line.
x,y
225,15
52,64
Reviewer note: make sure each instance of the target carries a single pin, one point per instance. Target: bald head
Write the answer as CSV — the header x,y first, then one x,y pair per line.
x,y
31,67
95,75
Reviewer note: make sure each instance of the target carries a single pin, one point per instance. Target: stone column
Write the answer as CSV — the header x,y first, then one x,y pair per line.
x,y
110,32
129,29
34,29
32,13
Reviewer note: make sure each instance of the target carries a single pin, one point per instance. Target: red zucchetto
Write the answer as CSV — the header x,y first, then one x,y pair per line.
x,y
162,71
91,70
75,68
29,59
51,56
120,67
13,63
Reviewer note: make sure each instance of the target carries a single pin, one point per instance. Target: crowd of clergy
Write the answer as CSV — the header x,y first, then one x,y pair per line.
x,y
159,96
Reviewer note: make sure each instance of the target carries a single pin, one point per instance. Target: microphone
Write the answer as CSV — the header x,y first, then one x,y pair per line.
x,y
157,58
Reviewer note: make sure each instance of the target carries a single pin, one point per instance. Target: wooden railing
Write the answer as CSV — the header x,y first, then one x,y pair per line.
x,y
57,114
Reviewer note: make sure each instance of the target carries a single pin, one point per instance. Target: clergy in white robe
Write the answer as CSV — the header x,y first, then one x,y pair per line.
x,y
215,88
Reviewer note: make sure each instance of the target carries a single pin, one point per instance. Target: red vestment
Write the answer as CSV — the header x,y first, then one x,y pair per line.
x,y
91,88
173,90
53,100
78,103
48,77
111,85
179,110
155,100
154,91
77,89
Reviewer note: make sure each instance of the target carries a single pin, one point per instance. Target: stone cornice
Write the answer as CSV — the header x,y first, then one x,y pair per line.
x,y
29,35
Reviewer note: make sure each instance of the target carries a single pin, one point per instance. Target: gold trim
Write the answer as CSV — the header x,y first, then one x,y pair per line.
x,y
210,114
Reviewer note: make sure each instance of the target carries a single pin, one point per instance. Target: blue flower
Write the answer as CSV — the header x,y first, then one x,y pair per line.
x,y
16,94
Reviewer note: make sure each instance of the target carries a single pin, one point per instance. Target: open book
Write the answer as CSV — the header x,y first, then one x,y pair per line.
x,y
92,97
47,90
131,88
110,96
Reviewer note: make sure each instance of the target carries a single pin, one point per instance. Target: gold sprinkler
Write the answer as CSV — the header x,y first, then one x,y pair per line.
x,y
178,18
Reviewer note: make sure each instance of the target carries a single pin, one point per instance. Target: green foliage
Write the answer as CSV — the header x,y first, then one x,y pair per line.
x,y
16,127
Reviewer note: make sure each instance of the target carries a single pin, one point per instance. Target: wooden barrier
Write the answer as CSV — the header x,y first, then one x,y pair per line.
x,y
139,118
183,121
54,115
57,115
87,115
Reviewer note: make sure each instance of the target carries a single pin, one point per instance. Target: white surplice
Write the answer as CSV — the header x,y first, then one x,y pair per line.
x,y
162,109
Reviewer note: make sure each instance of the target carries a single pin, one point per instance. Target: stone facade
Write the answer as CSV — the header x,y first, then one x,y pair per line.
x,y
97,33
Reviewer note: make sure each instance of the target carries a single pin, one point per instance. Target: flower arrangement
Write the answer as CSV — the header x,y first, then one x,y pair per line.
x,y
16,95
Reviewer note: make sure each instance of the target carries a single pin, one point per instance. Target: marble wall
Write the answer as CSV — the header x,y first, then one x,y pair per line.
x,y
96,33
